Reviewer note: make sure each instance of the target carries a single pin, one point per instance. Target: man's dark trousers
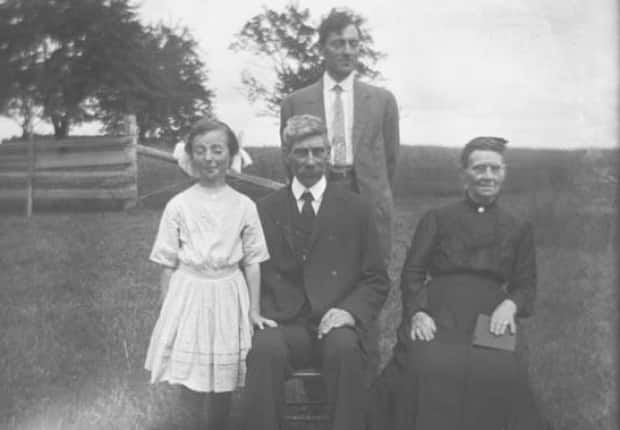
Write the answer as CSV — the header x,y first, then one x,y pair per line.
x,y
276,352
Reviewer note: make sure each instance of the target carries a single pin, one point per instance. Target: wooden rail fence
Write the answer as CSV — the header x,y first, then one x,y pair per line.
x,y
90,168
253,186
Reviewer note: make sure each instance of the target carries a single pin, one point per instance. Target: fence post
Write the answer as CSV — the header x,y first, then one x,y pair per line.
x,y
131,129
31,161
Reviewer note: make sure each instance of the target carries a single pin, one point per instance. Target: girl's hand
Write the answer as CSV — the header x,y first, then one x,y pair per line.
x,y
259,321
422,327
503,317
164,282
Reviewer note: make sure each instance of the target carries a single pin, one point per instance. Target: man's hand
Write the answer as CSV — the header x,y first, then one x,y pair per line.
x,y
261,322
422,327
503,316
335,318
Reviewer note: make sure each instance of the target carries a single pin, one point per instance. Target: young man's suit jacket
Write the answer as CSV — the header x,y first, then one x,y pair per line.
x,y
375,140
343,268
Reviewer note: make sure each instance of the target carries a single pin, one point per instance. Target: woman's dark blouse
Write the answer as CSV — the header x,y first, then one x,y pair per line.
x,y
468,238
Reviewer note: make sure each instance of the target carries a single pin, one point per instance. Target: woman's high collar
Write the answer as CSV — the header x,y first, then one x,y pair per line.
x,y
479,206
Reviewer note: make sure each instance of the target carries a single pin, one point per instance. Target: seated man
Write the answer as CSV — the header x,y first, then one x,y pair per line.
x,y
323,286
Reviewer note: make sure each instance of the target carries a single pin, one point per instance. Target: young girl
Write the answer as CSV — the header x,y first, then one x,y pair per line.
x,y
210,243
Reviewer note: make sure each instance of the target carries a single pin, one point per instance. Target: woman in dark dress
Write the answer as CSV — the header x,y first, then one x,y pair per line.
x,y
468,258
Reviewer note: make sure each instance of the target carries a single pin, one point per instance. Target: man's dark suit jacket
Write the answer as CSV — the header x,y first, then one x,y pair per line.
x,y
344,267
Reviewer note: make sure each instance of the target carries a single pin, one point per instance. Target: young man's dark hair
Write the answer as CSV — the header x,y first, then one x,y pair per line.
x,y
335,22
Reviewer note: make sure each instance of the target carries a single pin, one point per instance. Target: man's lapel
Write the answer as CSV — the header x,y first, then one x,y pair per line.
x,y
361,104
281,212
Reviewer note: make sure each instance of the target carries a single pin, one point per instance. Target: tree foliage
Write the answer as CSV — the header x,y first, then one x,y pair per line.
x,y
58,52
164,87
290,42
21,59
77,60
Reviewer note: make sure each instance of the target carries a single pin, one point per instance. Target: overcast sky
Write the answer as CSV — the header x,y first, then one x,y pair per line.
x,y
540,73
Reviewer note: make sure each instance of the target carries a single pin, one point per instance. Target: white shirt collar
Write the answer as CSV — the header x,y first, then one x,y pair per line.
x,y
316,190
346,84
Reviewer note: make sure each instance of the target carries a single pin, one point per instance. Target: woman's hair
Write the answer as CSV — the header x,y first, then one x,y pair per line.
x,y
484,143
206,125
300,127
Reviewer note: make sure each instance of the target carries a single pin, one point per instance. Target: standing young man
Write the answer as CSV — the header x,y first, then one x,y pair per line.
x,y
361,119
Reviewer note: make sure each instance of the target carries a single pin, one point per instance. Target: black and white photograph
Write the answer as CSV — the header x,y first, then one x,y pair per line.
x,y
309,215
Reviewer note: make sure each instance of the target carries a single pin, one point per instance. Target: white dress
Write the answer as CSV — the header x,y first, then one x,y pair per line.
x,y
203,332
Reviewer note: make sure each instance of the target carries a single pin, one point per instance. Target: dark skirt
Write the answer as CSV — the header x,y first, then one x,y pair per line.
x,y
448,384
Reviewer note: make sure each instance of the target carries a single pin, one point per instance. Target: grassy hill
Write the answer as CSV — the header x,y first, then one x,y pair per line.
x,y
79,298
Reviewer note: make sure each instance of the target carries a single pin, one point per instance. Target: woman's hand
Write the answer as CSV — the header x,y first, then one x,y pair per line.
x,y
422,327
261,322
503,316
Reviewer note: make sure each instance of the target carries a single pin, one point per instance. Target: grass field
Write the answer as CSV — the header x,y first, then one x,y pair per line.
x,y
79,299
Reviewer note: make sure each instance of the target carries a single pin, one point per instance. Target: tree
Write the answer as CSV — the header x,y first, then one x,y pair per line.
x,y
78,60
290,42
59,51
22,55
165,87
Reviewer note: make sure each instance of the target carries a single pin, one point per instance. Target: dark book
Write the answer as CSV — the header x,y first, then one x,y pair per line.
x,y
483,336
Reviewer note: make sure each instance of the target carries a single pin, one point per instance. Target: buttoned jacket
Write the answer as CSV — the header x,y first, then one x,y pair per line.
x,y
343,266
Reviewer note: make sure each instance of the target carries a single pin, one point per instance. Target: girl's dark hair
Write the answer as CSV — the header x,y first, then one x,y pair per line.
x,y
206,125
485,143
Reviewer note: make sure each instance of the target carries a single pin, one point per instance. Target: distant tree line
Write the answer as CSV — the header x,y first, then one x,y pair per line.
x,y
71,61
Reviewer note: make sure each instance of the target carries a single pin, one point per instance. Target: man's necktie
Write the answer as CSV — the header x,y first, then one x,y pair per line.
x,y
338,136
304,227
307,211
